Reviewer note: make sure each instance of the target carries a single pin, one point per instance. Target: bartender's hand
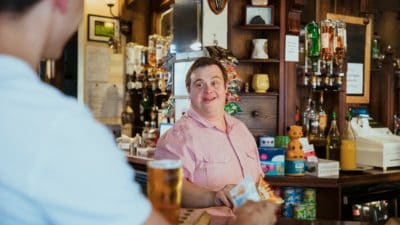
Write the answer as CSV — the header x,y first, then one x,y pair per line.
x,y
222,197
256,213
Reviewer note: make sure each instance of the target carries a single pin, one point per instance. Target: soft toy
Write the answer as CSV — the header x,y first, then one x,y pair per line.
x,y
295,149
294,158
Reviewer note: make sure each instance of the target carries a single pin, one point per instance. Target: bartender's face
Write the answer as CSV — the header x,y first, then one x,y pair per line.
x,y
208,91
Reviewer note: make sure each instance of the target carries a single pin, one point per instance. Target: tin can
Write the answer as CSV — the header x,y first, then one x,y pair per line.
x,y
311,211
289,195
287,210
309,195
299,212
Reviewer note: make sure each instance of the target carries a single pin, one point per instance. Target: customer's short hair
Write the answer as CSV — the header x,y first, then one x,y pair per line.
x,y
203,62
16,6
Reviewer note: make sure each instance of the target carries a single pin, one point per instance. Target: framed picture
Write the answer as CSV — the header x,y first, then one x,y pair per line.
x,y
259,15
101,28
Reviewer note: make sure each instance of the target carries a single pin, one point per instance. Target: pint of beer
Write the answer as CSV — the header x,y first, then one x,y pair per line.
x,y
164,187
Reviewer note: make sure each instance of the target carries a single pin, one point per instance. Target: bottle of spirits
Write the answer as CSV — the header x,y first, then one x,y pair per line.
x,y
323,117
348,146
313,43
153,134
314,122
327,30
340,45
306,118
333,141
127,117
145,132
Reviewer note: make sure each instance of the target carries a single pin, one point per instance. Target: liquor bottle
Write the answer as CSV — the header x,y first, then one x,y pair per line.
x,y
127,117
306,118
333,141
340,45
348,146
327,31
313,43
323,118
145,132
153,134
314,122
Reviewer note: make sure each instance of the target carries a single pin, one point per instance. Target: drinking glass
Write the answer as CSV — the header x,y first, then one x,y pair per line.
x,y
164,187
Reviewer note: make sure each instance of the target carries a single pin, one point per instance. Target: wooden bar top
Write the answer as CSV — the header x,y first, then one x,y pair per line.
x,y
371,176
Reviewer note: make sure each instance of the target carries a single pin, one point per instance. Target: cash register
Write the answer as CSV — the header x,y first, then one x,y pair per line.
x,y
377,147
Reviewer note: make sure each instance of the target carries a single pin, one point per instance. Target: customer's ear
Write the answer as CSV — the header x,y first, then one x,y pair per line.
x,y
61,5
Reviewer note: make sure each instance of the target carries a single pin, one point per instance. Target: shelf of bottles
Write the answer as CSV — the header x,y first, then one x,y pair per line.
x,y
321,71
147,95
322,61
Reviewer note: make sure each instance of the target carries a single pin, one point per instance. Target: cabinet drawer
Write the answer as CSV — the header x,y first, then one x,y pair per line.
x,y
259,114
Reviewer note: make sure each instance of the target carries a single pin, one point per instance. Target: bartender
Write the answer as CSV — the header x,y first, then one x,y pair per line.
x,y
217,150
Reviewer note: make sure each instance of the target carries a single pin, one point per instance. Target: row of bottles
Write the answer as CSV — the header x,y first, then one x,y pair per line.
x,y
337,147
342,148
314,119
147,98
325,48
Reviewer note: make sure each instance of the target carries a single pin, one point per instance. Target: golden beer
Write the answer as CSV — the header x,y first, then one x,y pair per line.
x,y
164,187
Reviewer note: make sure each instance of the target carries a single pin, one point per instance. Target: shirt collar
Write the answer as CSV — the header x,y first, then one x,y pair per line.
x,y
230,121
11,66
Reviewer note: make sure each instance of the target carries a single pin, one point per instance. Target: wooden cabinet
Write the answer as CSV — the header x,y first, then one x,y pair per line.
x,y
259,113
240,38
335,196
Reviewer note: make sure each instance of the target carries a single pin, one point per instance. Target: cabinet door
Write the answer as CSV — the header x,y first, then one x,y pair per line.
x,y
259,114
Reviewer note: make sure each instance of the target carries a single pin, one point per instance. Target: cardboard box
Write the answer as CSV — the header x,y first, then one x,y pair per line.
x,y
322,168
272,161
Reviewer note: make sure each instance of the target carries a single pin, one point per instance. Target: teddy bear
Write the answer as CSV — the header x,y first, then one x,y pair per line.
x,y
294,158
295,149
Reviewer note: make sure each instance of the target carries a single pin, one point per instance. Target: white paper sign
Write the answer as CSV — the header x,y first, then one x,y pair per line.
x,y
292,48
355,78
97,63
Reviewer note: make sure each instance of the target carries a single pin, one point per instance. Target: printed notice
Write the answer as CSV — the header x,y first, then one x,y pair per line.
x,y
355,79
97,63
105,99
292,48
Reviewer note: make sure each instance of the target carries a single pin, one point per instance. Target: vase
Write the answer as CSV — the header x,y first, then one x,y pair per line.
x,y
260,50
260,83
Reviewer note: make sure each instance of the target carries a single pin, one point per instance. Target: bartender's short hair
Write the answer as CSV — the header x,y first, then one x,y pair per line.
x,y
16,6
203,62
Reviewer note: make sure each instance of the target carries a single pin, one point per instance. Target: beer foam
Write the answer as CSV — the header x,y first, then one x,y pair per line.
x,y
165,164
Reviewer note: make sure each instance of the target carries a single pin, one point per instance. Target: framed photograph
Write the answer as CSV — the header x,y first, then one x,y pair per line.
x,y
259,15
101,28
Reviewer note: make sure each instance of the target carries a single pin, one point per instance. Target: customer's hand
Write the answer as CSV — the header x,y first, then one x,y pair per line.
x,y
256,213
223,198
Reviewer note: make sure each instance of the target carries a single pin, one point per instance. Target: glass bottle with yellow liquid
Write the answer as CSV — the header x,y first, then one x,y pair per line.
x,y
348,147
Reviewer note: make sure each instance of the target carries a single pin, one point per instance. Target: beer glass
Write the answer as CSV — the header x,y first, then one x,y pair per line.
x,y
164,187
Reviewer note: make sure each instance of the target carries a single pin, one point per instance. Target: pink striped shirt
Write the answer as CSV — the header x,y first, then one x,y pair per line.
x,y
211,157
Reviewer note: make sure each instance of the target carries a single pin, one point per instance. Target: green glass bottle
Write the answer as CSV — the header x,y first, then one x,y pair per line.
x,y
313,47
333,141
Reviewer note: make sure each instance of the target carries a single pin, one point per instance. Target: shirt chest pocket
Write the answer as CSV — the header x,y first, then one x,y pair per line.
x,y
217,169
252,165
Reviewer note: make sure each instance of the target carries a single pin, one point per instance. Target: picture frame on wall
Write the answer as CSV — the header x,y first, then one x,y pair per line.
x,y
259,15
102,28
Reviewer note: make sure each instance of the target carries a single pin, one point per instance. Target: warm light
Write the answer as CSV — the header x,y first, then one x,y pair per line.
x,y
110,2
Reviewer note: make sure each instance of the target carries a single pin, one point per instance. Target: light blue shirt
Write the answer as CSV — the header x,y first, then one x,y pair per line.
x,y
57,164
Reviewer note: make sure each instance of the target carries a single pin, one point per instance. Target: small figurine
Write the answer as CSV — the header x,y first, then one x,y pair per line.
x,y
294,158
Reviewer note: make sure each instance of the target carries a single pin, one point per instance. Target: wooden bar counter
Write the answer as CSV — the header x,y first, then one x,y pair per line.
x,y
335,195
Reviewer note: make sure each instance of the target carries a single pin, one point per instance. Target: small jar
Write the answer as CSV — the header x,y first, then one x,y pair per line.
x,y
260,83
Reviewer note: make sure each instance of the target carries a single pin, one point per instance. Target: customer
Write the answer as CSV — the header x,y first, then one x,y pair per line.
x,y
217,149
57,164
